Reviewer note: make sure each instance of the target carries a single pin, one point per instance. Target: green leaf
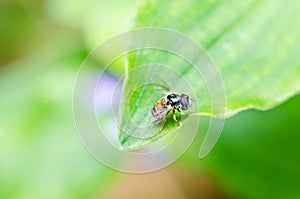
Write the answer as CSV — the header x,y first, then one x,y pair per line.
x,y
36,92
254,44
266,164
257,155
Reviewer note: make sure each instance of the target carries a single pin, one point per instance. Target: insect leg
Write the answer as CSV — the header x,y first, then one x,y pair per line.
x,y
174,115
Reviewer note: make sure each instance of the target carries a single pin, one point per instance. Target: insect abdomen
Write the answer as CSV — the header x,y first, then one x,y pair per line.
x,y
159,108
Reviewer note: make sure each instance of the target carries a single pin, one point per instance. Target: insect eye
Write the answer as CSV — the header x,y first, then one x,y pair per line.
x,y
185,103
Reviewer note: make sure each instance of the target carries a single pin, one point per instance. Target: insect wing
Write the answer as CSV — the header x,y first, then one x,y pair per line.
x,y
159,115
160,84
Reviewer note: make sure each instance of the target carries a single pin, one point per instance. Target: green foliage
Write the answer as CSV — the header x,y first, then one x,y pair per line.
x,y
253,45
40,153
257,155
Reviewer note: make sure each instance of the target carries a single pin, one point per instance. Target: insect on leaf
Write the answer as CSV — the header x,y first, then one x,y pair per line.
x,y
254,46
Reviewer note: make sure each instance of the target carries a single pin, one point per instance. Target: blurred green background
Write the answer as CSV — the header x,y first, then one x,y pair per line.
x,y
42,44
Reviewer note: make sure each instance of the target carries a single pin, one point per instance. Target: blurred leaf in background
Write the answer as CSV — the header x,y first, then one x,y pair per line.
x,y
20,31
42,44
257,155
